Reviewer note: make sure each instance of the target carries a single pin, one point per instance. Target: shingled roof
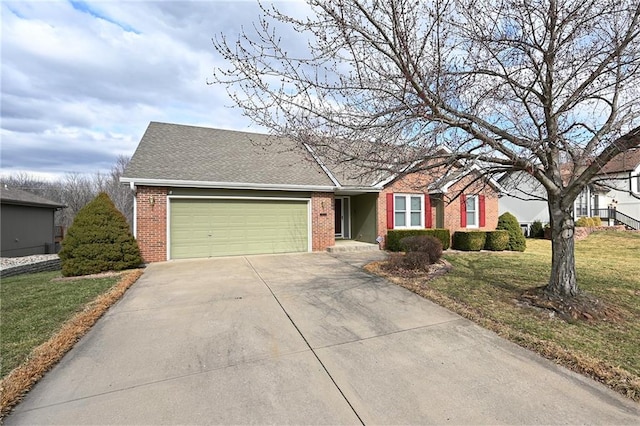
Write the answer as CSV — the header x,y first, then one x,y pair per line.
x,y
623,162
24,198
174,153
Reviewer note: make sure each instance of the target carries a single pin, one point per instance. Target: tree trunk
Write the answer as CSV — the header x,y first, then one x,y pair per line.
x,y
563,265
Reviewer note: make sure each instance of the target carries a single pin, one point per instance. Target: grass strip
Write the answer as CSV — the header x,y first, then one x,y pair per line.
x,y
21,379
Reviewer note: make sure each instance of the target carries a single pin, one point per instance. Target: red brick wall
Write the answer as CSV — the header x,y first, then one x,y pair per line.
x,y
322,221
151,222
417,184
452,206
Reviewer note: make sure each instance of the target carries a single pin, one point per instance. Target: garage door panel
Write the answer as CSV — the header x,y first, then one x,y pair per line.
x,y
204,228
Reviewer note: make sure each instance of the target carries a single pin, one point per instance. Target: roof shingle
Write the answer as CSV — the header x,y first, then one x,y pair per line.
x,y
17,196
190,153
624,162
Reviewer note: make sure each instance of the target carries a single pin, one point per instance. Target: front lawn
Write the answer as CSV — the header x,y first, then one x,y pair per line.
x,y
34,306
486,288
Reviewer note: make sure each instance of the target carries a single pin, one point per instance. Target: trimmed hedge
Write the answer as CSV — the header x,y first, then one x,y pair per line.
x,y
508,222
394,236
469,240
98,240
497,240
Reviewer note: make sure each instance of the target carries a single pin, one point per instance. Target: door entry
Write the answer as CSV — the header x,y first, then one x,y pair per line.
x,y
342,219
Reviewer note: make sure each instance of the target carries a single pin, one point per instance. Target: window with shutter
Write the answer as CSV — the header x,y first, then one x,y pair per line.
x,y
408,211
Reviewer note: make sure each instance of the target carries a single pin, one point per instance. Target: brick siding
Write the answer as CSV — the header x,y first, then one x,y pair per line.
x,y
151,223
322,220
452,209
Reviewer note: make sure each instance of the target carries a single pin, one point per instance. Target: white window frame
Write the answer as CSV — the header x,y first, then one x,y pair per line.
x,y
408,211
476,211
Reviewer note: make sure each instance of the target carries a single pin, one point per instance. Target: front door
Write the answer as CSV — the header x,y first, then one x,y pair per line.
x,y
338,217
341,217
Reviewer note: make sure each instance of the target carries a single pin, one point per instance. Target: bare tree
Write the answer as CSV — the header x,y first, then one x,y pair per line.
x,y
75,190
508,85
121,195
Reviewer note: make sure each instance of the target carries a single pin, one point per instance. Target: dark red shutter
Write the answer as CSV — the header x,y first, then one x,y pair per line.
x,y
463,211
390,211
427,211
481,208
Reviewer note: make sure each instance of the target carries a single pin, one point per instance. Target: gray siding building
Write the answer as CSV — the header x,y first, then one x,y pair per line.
x,y
27,222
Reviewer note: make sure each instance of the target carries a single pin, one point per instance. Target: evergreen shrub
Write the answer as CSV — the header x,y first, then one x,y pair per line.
x,y
508,222
536,230
98,240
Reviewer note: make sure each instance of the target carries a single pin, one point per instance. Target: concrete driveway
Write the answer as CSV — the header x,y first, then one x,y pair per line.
x,y
302,339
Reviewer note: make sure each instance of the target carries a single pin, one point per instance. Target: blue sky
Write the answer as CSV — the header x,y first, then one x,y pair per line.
x,y
82,79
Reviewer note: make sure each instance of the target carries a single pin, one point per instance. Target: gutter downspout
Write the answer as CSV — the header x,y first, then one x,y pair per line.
x,y
135,210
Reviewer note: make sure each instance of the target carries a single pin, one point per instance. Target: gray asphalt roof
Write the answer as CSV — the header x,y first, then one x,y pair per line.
x,y
16,196
190,153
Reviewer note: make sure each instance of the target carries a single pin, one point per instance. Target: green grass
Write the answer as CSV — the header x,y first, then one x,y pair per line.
x,y
607,266
34,307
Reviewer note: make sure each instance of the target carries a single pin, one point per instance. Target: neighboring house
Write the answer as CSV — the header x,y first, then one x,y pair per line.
x,y
618,186
27,223
523,196
614,192
204,192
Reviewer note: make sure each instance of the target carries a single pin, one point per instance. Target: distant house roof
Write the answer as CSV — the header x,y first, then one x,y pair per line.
x,y
174,154
24,198
624,162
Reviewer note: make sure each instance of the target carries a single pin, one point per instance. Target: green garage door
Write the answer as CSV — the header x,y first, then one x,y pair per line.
x,y
205,228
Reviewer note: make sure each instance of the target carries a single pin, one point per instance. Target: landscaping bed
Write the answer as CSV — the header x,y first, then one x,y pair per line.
x,y
493,290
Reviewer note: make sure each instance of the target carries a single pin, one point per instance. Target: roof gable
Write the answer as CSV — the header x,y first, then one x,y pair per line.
x,y
173,152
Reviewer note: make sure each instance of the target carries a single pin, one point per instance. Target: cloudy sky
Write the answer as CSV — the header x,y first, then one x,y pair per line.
x,y
81,80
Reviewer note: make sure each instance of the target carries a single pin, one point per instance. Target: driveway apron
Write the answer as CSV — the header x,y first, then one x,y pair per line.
x,y
301,339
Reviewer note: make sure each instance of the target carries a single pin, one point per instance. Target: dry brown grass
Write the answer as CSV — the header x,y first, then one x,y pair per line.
x,y
21,379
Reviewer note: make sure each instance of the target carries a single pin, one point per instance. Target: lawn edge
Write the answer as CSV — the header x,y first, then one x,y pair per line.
x,y
617,379
21,379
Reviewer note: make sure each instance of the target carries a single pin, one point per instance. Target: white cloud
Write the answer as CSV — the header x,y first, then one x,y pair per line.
x,y
82,80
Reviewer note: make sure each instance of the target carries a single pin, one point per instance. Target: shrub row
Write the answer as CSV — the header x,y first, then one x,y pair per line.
x,y
589,222
394,237
477,240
